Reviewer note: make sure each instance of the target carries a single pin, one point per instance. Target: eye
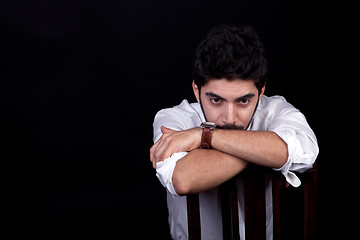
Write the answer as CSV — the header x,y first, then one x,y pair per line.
x,y
215,100
244,101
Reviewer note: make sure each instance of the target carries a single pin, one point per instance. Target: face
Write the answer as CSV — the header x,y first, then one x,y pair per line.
x,y
230,104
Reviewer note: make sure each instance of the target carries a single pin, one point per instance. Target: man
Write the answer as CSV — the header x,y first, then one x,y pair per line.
x,y
229,77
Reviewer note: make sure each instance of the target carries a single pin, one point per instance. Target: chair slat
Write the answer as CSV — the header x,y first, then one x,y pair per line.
x,y
310,203
229,209
277,183
254,200
193,211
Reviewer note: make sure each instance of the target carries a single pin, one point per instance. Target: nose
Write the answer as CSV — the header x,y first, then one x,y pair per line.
x,y
230,115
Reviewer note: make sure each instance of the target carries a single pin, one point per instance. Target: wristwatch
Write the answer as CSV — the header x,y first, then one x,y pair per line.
x,y
207,128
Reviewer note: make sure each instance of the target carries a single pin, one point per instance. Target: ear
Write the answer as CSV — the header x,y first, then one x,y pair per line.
x,y
196,91
262,92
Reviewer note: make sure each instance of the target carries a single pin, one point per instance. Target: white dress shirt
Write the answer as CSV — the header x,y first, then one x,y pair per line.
x,y
273,114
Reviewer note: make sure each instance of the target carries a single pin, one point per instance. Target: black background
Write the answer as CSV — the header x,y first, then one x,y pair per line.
x,y
86,79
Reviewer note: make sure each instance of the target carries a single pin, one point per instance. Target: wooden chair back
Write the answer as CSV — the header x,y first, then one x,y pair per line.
x,y
254,179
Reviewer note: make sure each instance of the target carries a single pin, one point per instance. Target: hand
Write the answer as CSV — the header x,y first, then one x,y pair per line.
x,y
174,141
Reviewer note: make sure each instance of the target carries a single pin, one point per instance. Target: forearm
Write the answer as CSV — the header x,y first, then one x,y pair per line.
x,y
259,147
202,169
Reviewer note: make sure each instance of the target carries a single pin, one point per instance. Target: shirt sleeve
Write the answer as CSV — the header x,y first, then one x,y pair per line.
x,y
290,125
165,169
172,119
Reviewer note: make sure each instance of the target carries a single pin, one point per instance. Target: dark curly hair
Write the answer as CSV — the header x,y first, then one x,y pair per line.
x,y
231,52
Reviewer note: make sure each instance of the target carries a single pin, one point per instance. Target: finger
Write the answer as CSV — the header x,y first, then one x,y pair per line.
x,y
152,156
152,149
157,151
156,144
165,148
154,164
152,153
162,149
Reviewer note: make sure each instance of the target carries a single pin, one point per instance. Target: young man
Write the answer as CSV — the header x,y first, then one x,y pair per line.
x,y
191,156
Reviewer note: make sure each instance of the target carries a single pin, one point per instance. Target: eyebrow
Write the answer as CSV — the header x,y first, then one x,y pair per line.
x,y
246,96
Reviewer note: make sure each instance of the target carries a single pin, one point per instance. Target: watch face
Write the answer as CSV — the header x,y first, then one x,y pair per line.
x,y
208,124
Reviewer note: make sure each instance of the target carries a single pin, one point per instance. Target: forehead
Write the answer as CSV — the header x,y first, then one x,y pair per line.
x,y
230,89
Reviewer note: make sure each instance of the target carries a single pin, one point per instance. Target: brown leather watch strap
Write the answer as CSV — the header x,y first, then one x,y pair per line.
x,y
206,138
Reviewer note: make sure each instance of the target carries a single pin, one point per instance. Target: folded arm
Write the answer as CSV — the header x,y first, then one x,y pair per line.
x,y
263,148
259,147
203,169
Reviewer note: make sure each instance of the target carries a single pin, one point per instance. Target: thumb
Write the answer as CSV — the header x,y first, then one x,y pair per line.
x,y
166,130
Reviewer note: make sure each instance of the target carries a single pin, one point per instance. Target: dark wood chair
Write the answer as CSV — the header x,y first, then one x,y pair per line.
x,y
254,205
